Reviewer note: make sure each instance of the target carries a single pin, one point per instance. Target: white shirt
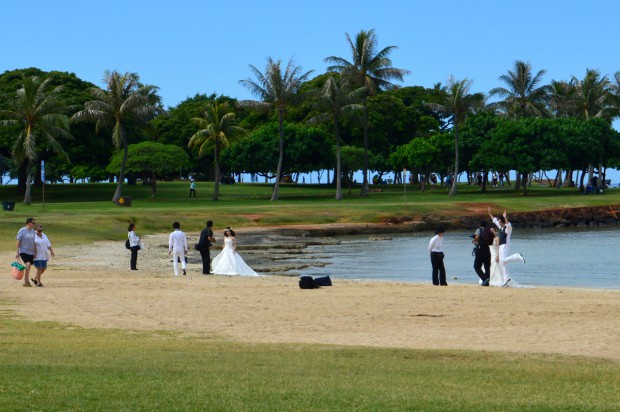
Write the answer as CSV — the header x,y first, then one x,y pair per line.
x,y
134,240
177,240
41,245
436,244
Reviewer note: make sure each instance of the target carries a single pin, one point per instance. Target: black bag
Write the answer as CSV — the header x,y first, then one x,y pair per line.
x,y
127,244
307,282
197,246
323,281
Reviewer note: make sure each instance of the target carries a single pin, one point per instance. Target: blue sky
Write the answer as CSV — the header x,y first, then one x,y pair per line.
x,y
189,47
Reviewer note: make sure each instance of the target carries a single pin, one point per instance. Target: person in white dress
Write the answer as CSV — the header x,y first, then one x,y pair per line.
x,y
504,233
177,247
497,270
228,262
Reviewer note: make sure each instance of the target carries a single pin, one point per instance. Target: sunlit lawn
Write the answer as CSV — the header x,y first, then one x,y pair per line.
x,y
84,212
45,366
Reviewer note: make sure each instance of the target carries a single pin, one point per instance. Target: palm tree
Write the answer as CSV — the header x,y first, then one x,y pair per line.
x,y
593,97
370,69
125,104
458,102
40,116
278,89
522,96
218,127
335,99
561,98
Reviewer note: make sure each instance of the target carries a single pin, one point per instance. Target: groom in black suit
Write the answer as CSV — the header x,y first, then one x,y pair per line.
x,y
204,245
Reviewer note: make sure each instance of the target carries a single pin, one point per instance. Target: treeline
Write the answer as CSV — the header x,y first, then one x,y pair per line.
x,y
342,120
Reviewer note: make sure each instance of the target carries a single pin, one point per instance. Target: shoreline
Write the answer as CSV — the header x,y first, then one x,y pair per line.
x,y
91,286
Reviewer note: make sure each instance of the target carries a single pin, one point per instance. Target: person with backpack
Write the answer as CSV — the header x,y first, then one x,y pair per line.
x,y
134,246
483,238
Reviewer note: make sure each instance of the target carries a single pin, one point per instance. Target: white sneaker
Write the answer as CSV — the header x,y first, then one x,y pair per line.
x,y
506,282
522,258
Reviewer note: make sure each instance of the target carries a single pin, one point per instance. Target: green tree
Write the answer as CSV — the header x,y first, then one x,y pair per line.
x,y
124,105
307,150
218,127
150,159
523,95
458,103
279,89
593,97
369,68
41,117
335,100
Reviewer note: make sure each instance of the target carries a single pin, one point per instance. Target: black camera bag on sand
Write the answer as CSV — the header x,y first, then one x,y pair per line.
x,y
307,282
323,281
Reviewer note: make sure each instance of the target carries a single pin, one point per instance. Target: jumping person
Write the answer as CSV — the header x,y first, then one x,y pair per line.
x,y
504,233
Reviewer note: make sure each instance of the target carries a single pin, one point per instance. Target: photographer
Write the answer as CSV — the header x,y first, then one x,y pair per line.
x,y
482,238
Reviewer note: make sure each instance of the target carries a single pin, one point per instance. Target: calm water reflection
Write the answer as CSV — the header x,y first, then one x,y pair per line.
x,y
555,257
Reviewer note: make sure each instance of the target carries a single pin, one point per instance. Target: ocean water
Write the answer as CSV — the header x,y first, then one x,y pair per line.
x,y
587,258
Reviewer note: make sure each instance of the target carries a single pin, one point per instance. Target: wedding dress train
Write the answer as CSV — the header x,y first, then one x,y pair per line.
x,y
228,262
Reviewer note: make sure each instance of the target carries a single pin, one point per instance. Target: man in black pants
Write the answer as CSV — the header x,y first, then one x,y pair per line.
x,y
483,253
435,250
204,244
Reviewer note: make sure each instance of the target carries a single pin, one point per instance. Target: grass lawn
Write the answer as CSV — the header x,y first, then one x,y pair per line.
x,y
51,367
84,212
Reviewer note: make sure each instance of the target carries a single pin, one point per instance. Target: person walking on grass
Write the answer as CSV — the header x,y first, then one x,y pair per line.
x,y
25,247
177,247
192,187
504,233
435,249
42,251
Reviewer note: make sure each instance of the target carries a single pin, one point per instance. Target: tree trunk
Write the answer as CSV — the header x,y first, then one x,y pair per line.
x,y
27,196
558,179
364,191
121,175
216,185
456,158
338,171
524,182
276,187
581,186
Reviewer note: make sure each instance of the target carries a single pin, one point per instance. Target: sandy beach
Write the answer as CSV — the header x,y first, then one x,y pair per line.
x,y
91,286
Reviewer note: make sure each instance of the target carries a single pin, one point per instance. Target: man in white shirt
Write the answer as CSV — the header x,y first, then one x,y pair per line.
x,y
435,250
177,247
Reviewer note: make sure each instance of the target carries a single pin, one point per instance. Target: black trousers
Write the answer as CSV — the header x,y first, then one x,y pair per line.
x,y
483,258
192,192
439,270
205,254
134,257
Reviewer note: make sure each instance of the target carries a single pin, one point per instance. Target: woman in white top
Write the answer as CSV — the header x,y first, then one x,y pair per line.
x,y
42,246
228,262
134,246
435,249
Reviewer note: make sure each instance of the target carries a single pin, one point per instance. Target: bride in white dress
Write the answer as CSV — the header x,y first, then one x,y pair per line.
x,y
228,262
497,270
